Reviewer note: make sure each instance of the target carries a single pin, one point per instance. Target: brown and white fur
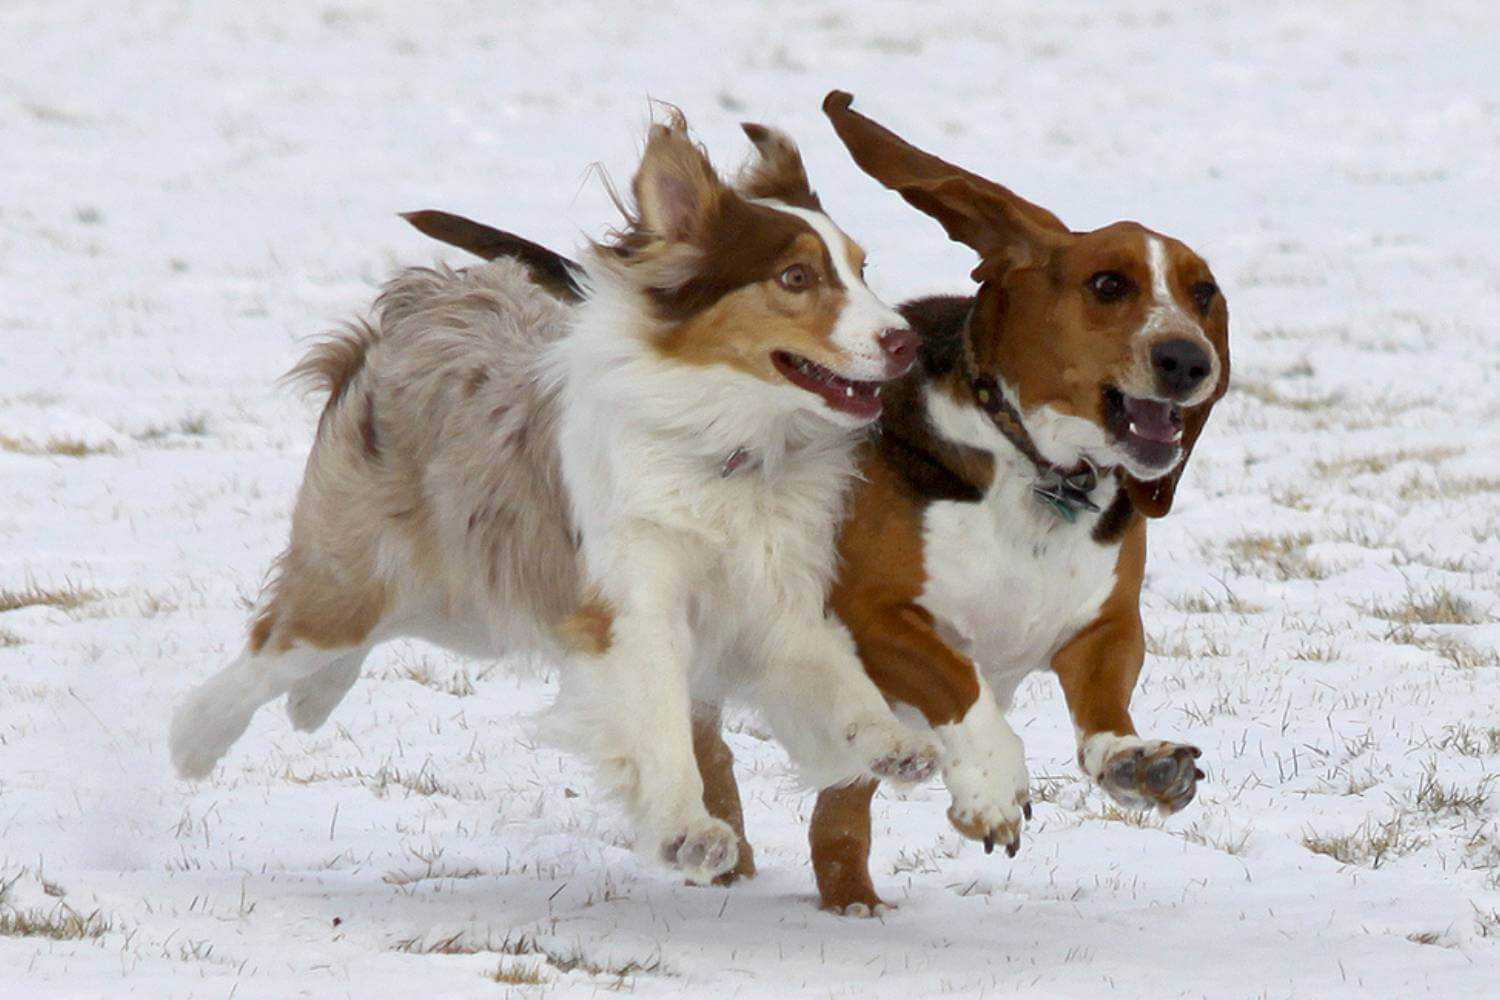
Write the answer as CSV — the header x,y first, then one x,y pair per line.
x,y
954,581
1112,346
647,486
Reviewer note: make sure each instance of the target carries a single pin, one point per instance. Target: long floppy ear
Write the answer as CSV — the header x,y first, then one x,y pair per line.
x,y
979,213
1154,499
775,171
676,190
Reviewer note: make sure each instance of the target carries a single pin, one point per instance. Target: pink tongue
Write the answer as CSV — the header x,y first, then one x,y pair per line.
x,y
1152,420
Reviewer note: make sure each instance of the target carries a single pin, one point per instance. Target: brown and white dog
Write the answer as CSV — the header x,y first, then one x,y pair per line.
x,y
647,486
1000,524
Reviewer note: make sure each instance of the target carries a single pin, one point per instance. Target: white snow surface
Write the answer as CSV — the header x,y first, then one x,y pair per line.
x,y
189,191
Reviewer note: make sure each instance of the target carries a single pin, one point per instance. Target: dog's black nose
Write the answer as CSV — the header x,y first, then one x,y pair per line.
x,y
1181,366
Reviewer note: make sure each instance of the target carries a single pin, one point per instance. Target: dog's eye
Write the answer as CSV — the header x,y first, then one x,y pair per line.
x,y
797,278
1203,294
1110,286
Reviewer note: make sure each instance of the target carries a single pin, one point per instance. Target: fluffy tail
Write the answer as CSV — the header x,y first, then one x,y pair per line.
x,y
560,276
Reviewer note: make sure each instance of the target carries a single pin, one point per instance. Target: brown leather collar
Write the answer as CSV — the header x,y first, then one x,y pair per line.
x,y
1064,491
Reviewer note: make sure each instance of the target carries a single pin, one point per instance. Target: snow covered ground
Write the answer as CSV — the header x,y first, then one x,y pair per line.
x,y
189,190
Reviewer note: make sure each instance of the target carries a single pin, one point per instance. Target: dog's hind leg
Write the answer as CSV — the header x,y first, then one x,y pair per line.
x,y
721,794
217,713
311,700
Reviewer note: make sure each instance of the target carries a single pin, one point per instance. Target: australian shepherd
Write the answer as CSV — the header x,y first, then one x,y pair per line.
x,y
646,486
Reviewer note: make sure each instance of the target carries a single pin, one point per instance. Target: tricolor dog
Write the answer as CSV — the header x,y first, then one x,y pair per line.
x,y
999,527
647,485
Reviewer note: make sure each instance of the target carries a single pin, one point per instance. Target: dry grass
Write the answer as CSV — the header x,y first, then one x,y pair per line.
x,y
526,946
1229,843
1341,468
518,975
383,780
1210,604
10,639
1439,606
1284,554
64,446
61,923
1445,488
1471,741
1371,845
459,685
67,597
1435,797
1265,393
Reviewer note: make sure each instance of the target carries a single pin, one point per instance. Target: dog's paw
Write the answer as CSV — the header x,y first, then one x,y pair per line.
x,y
862,910
895,753
1147,774
854,898
707,849
991,799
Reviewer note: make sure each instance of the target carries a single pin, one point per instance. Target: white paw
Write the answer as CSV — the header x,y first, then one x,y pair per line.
x,y
985,770
991,798
894,753
705,850
200,739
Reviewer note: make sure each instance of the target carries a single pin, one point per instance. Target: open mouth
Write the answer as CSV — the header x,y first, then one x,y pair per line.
x,y
1149,429
857,399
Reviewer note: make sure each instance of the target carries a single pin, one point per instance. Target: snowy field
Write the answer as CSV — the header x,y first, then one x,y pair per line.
x,y
189,191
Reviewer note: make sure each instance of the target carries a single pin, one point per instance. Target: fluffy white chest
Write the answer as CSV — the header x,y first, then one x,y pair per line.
x,y
1008,581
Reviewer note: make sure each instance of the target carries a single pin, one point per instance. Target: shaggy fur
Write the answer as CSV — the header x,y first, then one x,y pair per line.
x,y
498,472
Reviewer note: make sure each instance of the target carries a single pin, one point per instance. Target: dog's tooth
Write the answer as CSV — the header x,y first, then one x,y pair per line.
x,y
1133,428
849,391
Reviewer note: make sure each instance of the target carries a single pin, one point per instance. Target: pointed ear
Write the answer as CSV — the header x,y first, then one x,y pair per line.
x,y
775,171
976,212
1154,499
676,190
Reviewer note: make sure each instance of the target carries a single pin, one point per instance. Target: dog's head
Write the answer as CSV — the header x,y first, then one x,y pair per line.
x,y
1117,340
754,278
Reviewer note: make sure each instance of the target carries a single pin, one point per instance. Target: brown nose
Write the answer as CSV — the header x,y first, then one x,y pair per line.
x,y
1181,366
900,346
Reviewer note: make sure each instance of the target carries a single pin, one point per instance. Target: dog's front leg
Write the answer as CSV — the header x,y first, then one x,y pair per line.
x,y
828,714
983,761
626,701
1098,670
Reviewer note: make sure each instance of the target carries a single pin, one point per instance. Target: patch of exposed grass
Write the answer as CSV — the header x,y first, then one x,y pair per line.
x,y
195,425
1439,606
1340,468
459,685
65,446
1229,843
1471,741
382,781
516,974
1210,604
1444,487
527,946
10,639
1271,396
1435,797
1284,554
60,923
67,597
1371,845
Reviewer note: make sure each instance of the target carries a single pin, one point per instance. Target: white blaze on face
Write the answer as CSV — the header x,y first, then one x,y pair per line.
x,y
1167,318
864,316
1165,312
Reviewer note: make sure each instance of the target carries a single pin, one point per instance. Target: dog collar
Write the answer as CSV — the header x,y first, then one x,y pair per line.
x,y
1062,491
737,460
